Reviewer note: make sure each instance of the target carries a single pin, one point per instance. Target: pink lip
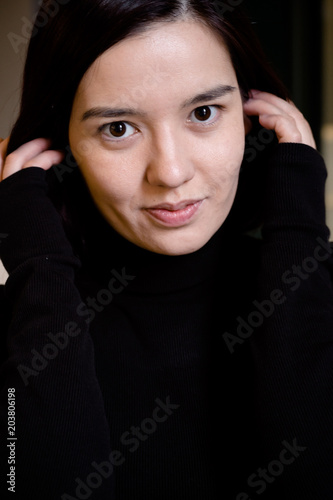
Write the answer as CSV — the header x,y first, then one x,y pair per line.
x,y
175,215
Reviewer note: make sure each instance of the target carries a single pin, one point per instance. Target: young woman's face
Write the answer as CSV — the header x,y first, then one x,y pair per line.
x,y
157,129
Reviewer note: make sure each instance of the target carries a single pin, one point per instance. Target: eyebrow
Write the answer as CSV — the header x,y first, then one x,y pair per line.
x,y
208,95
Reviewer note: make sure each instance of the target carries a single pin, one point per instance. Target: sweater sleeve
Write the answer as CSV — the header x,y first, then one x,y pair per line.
x,y
292,340
54,432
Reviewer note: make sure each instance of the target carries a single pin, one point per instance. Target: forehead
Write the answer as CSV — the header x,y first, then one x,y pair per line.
x,y
169,59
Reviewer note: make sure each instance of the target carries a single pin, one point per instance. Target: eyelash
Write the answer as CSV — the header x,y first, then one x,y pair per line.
x,y
102,128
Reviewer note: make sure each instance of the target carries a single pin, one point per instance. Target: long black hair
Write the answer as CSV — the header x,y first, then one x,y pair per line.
x,y
74,33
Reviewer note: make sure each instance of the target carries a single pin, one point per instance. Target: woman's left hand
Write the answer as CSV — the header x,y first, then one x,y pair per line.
x,y
281,116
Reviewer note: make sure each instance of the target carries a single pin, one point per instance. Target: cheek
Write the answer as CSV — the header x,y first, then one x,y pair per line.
x,y
227,160
224,174
109,177
109,182
227,146
234,154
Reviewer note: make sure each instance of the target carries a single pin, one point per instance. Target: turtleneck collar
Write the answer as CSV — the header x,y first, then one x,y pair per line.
x,y
106,249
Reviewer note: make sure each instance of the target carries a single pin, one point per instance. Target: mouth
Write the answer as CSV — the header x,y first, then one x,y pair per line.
x,y
174,215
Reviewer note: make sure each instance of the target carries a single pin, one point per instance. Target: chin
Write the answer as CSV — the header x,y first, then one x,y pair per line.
x,y
177,245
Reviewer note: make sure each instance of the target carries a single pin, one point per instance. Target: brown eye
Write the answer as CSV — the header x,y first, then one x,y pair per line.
x,y
117,129
206,115
203,113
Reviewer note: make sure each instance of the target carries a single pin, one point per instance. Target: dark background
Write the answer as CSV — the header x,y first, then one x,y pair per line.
x,y
290,32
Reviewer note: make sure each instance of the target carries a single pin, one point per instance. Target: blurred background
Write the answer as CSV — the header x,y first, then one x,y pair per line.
x,y
296,34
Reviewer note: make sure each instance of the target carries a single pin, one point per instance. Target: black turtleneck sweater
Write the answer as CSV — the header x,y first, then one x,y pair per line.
x,y
145,376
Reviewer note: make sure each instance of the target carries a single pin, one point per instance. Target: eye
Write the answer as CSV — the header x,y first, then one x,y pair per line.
x,y
117,130
204,113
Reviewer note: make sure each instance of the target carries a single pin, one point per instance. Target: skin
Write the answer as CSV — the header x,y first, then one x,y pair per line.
x,y
172,153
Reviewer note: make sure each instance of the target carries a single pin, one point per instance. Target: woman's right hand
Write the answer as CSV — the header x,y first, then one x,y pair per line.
x,y
35,153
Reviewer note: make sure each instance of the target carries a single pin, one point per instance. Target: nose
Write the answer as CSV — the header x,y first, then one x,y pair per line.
x,y
169,163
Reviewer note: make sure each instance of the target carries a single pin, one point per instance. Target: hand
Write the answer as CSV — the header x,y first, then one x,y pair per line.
x,y
281,116
35,153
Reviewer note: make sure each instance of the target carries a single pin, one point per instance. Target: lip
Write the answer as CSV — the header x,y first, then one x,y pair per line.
x,y
174,215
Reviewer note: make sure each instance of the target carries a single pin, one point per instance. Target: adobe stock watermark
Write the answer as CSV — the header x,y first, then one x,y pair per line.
x,y
260,479
257,143
30,29
265,309
69,164
59,341
132,438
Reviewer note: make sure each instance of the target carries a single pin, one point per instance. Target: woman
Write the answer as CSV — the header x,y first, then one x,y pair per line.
x,y
154,348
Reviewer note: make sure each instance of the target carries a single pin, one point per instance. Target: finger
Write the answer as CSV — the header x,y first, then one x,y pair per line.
x,y
27,151
44,160
285,106
4,140
256,106
27,154
264,109
292,127
284,127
